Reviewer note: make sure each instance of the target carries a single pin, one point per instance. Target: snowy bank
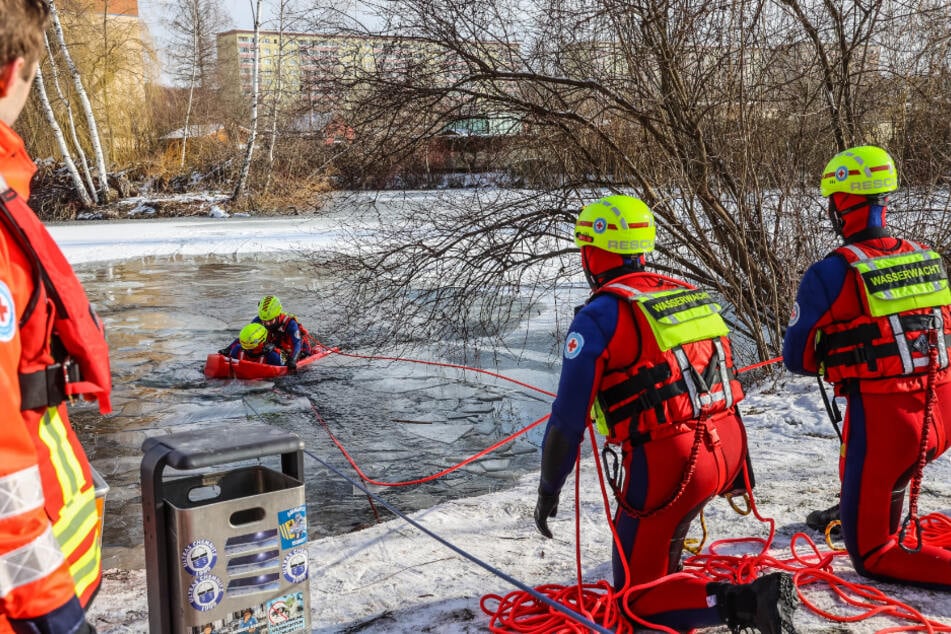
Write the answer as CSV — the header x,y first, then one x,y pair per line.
x,y
393,578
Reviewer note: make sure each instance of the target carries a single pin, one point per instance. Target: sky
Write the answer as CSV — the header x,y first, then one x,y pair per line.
x,y
239,11
395,578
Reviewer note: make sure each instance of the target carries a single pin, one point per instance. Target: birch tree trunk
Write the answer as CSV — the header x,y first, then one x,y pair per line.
x,y
249,151
196,44
84,101
90,189
277,96
61,140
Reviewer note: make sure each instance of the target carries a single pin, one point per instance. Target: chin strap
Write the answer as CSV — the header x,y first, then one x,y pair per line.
x,y
838,224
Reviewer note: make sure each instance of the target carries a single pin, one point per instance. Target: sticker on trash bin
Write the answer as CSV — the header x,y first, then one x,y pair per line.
x,y
286,614
205,593
293,526
199,557
295,565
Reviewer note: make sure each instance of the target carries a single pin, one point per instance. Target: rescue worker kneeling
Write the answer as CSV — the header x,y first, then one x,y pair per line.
x,y
874,318
649,359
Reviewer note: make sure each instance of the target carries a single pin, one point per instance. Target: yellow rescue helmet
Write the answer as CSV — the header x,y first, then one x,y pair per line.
x,y
252,336
269,307
619,224
865,170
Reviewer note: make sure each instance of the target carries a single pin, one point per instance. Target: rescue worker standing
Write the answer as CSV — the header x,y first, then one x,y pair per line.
x,y
51,349
649,359
874,318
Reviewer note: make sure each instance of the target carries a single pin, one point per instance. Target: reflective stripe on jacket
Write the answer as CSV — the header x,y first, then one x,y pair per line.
x,y
905,296
685,367
46,521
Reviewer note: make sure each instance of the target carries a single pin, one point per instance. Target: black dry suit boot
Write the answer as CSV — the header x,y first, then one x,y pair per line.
x,y
766,605
819,520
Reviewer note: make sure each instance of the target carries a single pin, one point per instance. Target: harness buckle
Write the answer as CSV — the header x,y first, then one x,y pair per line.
x,y
66,365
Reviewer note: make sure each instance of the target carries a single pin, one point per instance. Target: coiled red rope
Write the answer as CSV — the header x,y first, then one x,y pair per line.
x,y
517,612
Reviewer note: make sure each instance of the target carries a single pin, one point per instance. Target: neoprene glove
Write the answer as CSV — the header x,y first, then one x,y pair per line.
x,y
558,455
291,366
545,507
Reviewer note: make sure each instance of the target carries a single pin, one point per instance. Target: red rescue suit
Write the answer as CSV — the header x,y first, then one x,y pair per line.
x,y
287,334
52,348
880,363
658,479
661,404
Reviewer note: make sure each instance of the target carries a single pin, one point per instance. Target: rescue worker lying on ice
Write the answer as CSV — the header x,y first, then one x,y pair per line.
x,y
874,318
650,355
252,345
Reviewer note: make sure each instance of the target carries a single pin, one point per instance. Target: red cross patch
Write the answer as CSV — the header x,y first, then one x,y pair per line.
x,y
573,345
8,322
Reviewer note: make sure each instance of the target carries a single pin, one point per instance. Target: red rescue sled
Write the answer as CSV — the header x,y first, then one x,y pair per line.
x,y
219,366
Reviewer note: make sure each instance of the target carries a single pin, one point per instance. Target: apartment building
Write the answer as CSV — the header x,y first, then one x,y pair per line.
x,y
315,65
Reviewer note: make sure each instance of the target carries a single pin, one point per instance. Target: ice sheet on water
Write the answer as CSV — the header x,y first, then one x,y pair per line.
x,y
491,466
475,407
446,432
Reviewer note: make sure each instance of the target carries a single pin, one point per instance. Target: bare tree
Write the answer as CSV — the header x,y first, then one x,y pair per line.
x,y
255,95
711,112
83,100
84,193
193,25
276,90
84,197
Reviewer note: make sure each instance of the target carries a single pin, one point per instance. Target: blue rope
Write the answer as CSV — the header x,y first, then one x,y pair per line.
x,y
515,582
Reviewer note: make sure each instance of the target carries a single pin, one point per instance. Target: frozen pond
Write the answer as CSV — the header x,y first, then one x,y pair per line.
x,y
398,420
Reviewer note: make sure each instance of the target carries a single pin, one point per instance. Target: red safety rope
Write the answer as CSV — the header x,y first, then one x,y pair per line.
x,y
434,476
448,470
913,541
936,530
760,364
520,612
440,364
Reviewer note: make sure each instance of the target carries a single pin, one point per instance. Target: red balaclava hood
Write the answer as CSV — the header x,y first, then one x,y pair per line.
x,y
602,266
852,214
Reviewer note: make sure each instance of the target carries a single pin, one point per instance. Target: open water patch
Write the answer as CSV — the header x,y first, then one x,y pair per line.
x,y
398,420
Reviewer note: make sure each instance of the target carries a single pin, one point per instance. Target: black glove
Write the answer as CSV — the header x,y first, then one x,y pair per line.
x,y
291,366
547,506
225,351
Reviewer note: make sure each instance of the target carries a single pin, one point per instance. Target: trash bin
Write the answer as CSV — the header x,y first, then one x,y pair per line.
x,y
226,550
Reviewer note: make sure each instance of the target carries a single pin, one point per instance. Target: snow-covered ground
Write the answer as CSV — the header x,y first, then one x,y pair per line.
x,y
394,578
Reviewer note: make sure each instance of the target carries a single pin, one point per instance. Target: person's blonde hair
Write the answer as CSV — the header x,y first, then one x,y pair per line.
x,y
22,23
